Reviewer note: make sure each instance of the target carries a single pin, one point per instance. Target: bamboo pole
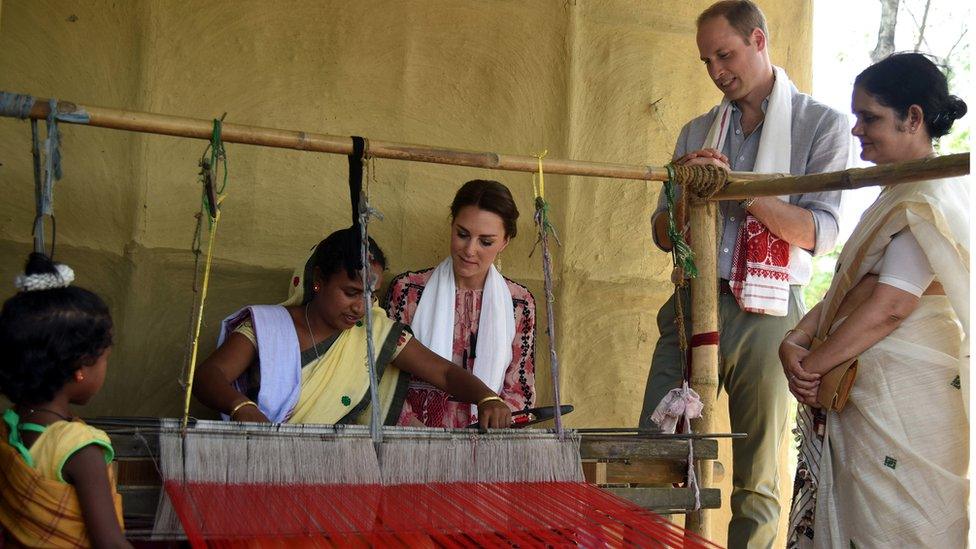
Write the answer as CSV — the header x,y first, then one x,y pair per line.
x,y
195,128
703,219
952,165
741,184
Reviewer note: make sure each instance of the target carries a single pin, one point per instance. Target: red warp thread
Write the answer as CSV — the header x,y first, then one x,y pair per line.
x,y
529,514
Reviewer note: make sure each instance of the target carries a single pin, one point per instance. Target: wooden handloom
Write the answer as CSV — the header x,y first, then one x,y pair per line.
x,y
608,458
640,467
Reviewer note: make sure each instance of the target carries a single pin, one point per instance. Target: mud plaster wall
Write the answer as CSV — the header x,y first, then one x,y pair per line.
x,y
610,81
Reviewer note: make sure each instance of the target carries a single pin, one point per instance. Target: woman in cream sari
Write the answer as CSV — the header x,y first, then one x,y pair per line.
x,y
889,469
304,361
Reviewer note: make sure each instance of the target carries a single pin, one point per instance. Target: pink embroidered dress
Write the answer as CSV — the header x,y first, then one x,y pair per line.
x,y
430,405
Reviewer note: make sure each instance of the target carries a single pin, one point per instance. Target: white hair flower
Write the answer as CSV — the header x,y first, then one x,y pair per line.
x,y
46,281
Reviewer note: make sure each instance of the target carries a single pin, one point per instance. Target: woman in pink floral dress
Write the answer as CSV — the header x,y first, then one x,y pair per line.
x,y
465,311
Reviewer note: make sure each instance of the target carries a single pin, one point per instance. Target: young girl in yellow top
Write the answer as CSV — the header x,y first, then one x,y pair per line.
x,y
57,488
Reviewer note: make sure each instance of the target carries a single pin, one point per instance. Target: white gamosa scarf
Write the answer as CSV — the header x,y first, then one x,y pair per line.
x,y
433,323
763,265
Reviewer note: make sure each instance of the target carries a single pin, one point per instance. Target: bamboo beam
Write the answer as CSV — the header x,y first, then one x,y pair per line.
x,y
703,219
741,184
195,128
952,165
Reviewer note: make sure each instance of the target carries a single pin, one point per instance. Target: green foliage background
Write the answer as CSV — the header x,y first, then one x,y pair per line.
x,y
823,273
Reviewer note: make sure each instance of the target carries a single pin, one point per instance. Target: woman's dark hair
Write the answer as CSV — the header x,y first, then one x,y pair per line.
x,y
340,251
490,196
46,335
905,79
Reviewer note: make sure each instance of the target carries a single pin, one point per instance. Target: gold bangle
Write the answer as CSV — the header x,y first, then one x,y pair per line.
x,y
489,399
798,329
235,409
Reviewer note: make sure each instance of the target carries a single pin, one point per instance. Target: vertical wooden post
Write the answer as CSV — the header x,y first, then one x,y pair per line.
x,y
703,218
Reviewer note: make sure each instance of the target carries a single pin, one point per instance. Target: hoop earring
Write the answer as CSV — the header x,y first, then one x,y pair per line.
x,y
316,287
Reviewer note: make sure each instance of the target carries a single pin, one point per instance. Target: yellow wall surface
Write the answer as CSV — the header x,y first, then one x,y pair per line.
x,y
609,80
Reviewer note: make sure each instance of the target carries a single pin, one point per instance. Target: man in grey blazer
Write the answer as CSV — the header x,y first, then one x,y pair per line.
x,y
733,44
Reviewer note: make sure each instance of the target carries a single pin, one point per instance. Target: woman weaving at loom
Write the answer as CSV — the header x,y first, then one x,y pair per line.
x,y
889,468
304,361
467,312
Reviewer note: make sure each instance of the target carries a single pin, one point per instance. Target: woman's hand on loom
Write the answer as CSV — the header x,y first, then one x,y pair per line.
x,y
213,383
461,384
251,414
413,421
494,414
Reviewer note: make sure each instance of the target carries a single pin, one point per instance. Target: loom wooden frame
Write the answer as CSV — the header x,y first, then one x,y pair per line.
x,y
740,184
704,217
639,467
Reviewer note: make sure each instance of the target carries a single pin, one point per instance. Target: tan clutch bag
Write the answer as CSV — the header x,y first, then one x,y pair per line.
x,y
835,385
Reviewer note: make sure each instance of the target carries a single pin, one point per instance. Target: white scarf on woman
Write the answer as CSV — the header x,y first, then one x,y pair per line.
x,y
764,282
433,323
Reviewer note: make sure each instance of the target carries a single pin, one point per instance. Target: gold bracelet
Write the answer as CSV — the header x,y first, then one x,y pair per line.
x,y
798,329
489,399
235,409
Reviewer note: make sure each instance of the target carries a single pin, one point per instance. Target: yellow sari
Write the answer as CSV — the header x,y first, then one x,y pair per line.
x,y
331,388
340,377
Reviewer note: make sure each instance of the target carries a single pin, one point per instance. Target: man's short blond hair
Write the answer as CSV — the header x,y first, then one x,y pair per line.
x,y
743,15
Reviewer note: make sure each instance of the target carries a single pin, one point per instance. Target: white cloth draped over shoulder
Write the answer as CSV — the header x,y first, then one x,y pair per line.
x,y
764,286
891,469
433,323
278,351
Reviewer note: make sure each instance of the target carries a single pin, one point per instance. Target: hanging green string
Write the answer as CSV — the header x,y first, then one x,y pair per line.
x,y
681,253
542,212
546,230
213,156
541,216
214,159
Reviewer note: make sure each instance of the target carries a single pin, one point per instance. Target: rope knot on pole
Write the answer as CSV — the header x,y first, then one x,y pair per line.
x,y
702,180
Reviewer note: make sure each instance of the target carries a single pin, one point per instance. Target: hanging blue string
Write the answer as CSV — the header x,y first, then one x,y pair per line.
x,y
16,104
52,160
